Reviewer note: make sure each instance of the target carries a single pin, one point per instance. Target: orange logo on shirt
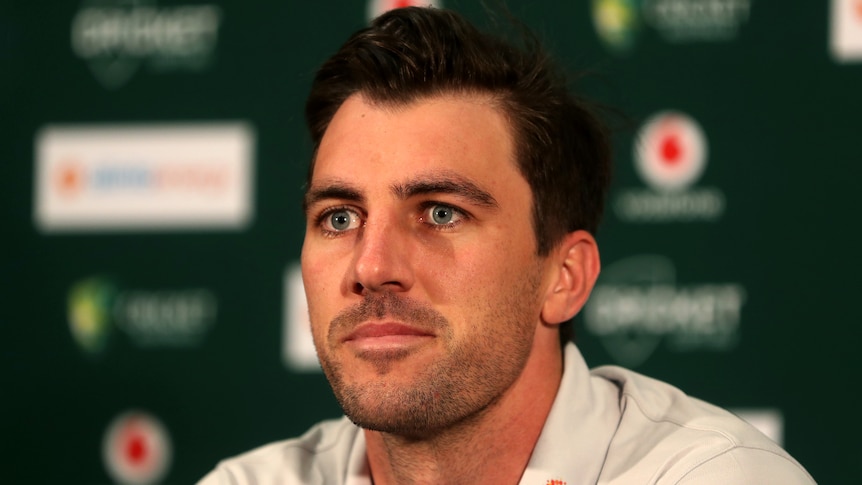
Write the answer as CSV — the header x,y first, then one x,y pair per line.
x,y
555,482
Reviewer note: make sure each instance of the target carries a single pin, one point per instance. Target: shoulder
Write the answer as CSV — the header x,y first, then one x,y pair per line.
x,y
666,436
318,455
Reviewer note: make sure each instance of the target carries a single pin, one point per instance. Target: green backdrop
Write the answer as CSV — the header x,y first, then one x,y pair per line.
x,y
737,281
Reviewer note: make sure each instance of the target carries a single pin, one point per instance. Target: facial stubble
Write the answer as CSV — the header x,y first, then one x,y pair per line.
x,y
470,376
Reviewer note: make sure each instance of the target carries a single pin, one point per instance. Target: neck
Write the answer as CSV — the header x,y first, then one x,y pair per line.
x,y
493,446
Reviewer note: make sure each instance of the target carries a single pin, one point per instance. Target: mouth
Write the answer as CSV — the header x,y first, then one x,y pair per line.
x,y
386,336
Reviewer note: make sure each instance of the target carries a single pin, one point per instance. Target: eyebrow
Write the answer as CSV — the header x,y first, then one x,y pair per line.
x,y
423,184
331,190
446,183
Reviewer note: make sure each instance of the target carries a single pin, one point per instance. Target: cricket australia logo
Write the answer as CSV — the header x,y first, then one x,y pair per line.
x,y
118,37
638,305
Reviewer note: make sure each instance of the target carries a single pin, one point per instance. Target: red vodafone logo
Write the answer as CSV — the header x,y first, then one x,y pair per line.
x,y
670,151
378,7
136,449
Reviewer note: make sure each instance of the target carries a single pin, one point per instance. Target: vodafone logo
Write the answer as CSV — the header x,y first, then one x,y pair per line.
x,y
670,153
379,7
136,449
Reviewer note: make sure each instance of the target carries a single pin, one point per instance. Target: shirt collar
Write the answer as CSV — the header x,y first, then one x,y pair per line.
x,y
578,431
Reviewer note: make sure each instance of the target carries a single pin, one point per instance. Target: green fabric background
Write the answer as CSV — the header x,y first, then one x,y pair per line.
x,y
782,119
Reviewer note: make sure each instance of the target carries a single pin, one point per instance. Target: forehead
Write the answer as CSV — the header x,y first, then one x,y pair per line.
x,y
463,134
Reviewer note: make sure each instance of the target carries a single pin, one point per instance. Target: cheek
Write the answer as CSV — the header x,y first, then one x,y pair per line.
x,y
321,266
467,282
324,263
317,288
489,274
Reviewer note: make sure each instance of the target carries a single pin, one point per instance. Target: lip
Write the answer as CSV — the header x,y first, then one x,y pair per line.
x,y
370,331
388,336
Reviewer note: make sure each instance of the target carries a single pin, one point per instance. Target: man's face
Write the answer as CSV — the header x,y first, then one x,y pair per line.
x,y
419,262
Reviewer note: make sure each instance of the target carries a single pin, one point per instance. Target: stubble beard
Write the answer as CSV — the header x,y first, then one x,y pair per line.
x,y
471,376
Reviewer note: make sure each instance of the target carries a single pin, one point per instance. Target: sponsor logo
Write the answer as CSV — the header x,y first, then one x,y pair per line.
x,y
98,307
116,37
846,30
696,20
297,348
670,155
136,449
378,7
89,310
143,177
768,421
165,318
618,22
671,151
638,304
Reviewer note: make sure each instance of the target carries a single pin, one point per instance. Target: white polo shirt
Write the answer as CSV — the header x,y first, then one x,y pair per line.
x,y
607,426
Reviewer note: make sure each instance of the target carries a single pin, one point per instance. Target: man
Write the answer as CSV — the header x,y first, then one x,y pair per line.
x,y
454,189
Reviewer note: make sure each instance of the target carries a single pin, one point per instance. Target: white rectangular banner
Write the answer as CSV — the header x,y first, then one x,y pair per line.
x,y
846,30
144,177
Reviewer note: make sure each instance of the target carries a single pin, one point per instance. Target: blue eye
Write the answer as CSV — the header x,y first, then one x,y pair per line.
x,y
442,215
340,220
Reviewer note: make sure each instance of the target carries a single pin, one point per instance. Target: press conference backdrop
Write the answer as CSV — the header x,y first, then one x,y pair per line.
x,y
153,153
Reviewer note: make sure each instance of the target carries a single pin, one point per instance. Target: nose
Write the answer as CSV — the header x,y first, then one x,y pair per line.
x,y
382,258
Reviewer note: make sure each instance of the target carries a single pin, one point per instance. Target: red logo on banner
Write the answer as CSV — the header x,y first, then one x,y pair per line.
x,y
670,153
69,178
671,150
136,449
379,7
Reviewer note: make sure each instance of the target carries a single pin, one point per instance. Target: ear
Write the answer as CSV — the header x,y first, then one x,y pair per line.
x,y
574,269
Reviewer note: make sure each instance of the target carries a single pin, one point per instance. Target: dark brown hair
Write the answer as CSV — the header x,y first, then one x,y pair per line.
x,y
406,54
